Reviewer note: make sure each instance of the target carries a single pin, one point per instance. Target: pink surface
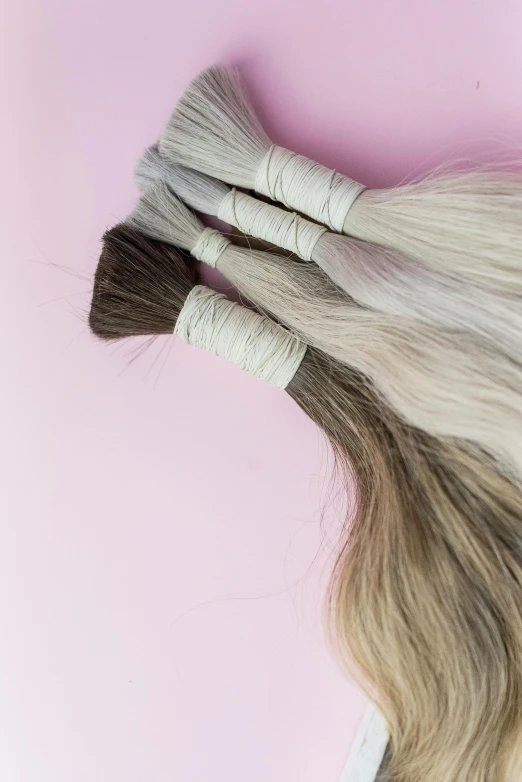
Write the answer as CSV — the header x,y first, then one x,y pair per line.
x,y
159,580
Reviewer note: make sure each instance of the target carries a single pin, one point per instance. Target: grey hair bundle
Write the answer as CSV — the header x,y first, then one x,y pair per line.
x,y
467,224
376,277
446,384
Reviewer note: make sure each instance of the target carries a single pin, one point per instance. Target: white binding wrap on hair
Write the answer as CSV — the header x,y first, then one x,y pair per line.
x,y
299,183
274,225
209,247
251,341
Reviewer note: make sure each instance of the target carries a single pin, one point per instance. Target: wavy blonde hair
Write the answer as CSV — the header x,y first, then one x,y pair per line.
x,y
425,601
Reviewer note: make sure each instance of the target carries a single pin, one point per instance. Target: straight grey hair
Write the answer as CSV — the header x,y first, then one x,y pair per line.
x,y
467,224
444,383
385,280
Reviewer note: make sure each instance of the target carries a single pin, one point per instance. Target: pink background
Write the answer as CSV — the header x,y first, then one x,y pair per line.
x,y
161,556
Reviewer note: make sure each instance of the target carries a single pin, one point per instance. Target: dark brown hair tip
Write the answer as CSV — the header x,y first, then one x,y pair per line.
x,y
140,285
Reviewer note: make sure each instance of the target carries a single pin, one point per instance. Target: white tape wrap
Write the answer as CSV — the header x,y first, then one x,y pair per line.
x,y
312,189
274,225
210,246
245,338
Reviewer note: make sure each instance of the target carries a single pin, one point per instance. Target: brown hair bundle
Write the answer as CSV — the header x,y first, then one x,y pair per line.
x,y
426,597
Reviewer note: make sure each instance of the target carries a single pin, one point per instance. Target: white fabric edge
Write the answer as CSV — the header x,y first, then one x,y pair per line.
x,y
367,749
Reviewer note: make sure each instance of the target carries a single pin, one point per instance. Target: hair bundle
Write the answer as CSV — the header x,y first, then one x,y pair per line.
x,y
428,579
468,224
405,352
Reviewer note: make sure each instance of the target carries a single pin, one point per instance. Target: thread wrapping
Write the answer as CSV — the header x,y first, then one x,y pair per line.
x,y
210,246
302,184
264,221
247,339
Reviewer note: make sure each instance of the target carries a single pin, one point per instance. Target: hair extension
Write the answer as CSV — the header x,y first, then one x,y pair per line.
x,y
373,276
446,384
426,593
466,224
